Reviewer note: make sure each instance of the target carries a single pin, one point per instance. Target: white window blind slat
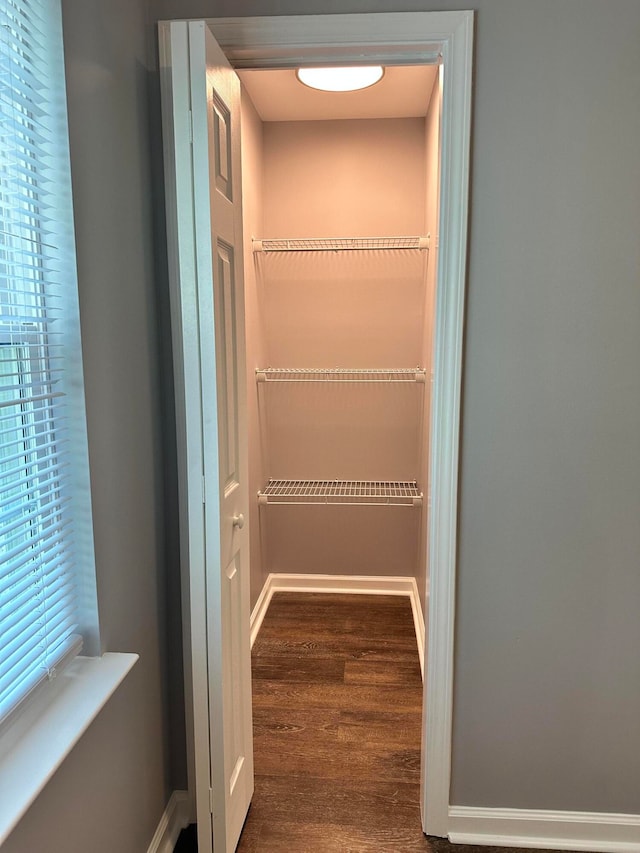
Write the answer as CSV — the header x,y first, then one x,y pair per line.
x,y
24,580
39,399
17,387
49,355
40,372
48,510
46,478
30,12
6,104
47,489
18,621
31,231
22,612
47,446
8,295
22,73
23,638
25,641
19,448
33,677
44,348
30,664
29,556
28,26
39,615
54,631
36,664
27,469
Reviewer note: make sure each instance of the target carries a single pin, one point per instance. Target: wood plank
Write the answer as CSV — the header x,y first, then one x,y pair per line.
x,y
293,669
339,760
378,728
383,673
329,644
338,696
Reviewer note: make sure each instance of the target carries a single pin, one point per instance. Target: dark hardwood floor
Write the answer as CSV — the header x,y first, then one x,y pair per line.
x,y
337,703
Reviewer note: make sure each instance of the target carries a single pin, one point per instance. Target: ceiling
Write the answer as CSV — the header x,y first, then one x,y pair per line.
x,y
278,95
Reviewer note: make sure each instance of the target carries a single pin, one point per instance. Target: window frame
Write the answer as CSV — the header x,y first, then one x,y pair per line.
x,y
43,729
58,264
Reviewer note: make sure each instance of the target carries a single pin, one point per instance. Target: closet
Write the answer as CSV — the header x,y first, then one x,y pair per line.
x,y
340,219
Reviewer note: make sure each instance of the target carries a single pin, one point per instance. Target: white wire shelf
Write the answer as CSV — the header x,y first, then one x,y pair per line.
x,y
343,492
340,244
341,374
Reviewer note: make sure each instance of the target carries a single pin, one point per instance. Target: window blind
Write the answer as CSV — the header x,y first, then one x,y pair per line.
x,y
38,598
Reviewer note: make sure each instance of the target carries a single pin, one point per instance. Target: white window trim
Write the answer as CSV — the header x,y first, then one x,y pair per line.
x,y
29,756
76,489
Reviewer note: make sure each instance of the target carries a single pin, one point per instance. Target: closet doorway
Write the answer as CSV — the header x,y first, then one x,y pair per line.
x,y
202,165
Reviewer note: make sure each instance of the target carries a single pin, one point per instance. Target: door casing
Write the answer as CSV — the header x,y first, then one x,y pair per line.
x,y
404,38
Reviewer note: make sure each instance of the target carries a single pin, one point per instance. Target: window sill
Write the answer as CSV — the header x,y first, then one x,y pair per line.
x,y
32,749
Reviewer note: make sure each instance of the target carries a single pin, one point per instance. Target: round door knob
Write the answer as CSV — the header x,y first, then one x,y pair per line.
x,y
238,521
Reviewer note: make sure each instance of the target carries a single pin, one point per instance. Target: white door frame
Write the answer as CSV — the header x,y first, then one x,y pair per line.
x,y
177,133
409,38
401,38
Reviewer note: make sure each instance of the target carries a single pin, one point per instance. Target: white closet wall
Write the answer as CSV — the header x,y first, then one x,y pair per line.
x,y
361,309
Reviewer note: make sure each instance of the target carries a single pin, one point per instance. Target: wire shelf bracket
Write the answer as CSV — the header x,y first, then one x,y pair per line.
x,y
342,374
340,244
343,492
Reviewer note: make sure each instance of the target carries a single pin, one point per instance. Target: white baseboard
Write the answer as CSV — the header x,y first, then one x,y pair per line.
x,y
418,622
599,832
260,609
174,819
347,585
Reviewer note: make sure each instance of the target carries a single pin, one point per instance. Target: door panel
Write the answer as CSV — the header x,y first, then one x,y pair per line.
x,y
228,346
215,107
222,143
234,710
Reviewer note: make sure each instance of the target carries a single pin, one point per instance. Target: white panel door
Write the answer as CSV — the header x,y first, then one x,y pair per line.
x,y
215,106
201,130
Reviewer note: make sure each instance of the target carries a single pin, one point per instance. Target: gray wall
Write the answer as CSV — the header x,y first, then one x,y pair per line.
x,y
111,791
547,696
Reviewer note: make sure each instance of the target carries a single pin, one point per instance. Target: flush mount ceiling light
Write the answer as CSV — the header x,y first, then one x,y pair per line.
x,y
346,79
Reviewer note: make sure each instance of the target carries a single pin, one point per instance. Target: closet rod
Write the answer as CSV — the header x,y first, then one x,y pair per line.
x,y
341,374
340,244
